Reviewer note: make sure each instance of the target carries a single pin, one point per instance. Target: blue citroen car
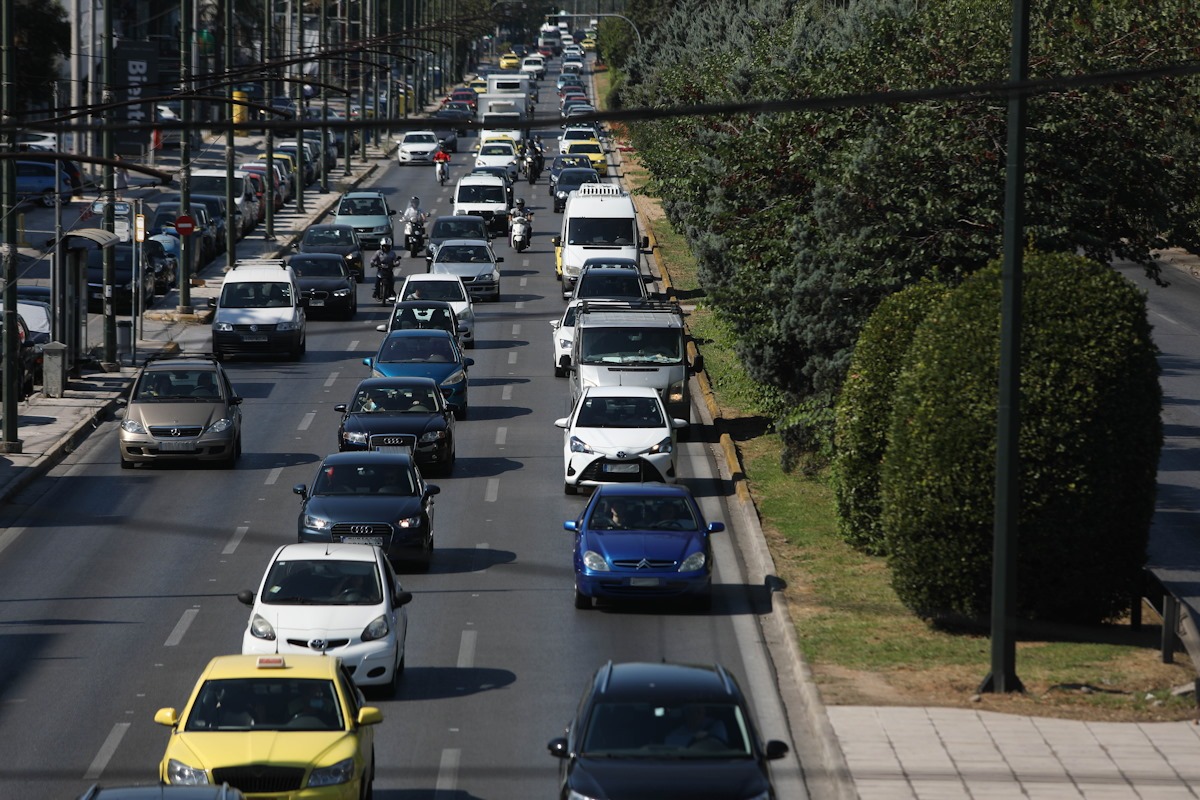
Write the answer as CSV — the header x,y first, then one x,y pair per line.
x,y
644,540
424,353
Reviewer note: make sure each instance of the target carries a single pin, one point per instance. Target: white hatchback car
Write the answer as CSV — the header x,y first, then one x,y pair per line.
x,y
340,599
618,434
416,147
498,153
448,288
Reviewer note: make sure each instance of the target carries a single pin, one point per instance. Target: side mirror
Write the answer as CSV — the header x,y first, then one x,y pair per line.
x,y
698,363
468,362
555,323
679,423
562,422
235,401
368,361
340,408
391,212
556,241
570,525
776,749
402,599
167,716
645,243
381,328
212,302
716,527
246,597
432,488
301,490
302,301
558,748
369,715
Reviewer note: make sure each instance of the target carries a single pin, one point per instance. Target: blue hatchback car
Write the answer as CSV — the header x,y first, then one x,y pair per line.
x,y
645,540
425,353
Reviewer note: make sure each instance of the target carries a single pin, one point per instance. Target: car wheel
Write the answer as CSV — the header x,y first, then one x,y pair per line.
x,y
570,488
48,198
582,600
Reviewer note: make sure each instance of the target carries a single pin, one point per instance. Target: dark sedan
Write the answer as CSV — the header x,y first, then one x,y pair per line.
x,y
326,283
568,181
403,415
370,497
340,239
666,731
565,162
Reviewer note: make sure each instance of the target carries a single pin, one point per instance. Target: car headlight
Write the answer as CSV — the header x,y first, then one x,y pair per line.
x,y
180,774
221,425
662,447
288,325
377,629
223,327
382,229
458,376
354,437
594,561
574,795
133,426
565,344
432,436
693,562
409,522
675,392
350,256
579,445
561,195
320,523
467,315
261,629
341,292
341,772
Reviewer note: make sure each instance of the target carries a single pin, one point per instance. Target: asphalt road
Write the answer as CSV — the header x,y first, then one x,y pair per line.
x,y
121,585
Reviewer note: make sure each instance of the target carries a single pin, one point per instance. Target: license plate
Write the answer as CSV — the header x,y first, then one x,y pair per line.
x,y
254,337
177,447
394,448
630,467
316,303
643,581
375,540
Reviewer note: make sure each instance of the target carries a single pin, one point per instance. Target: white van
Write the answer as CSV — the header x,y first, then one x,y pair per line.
x,y
484,196
259,311
599,219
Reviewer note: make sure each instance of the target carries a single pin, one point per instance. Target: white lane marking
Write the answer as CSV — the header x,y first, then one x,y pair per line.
x,y
273,476
512,357
524,263
447,777
235,540
306,421
516,329
501,435
492,491
519,304
181,627
524,282
506,394
480,566
9,536
466,649
333,376
111,743
352,346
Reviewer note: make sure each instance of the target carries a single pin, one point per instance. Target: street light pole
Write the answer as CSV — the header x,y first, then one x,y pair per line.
x,y
230,233
187,245
110,269
12,345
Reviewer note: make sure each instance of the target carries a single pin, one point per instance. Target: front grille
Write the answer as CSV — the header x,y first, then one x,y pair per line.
x,y
636,563
261,778
595,472
171,431
254,328
361,529
318,294
330,644
387,441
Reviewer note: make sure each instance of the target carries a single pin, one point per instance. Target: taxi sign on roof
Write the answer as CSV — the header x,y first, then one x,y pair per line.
x,y
271,662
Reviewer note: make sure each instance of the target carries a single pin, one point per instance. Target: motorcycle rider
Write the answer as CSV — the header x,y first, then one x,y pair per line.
x,y
519,211
414,219
441,164
384,262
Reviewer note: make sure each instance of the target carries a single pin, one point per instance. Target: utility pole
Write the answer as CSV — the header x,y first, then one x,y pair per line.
x,y
8,96
110,268
269,172
187,246
230,233
324,75
299,86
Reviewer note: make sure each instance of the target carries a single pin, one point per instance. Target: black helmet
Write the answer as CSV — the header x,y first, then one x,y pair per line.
x,y
385,243
414,201
520,203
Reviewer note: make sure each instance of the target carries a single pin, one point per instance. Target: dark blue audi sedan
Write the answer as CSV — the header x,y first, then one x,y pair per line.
x,y
435,354
661,731
644,540
370,497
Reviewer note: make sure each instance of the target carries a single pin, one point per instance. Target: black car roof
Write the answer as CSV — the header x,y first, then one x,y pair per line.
x,y
385,383
665,682
351,457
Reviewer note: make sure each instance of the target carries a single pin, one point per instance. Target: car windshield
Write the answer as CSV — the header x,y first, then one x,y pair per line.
x,y
362,207
372,479
416,349
323,583
631,345
651,730
256,295
586,147
624,513
420,138
620,412
448,291
496,150
328,236
481,194
612,231
457,229
389,400
610,286
462,253
318,267
433,318
177,384
271,703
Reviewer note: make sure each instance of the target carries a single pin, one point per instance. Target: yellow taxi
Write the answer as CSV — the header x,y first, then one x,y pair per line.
x,y
510,60
287,728
478,84
590,148
588,43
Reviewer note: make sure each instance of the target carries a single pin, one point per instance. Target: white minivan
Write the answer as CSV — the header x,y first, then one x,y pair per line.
x,y
599,219
484,196
259,311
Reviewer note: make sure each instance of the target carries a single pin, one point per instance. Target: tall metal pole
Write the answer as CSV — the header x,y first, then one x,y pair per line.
x,y
324,45
269,172
230,232
12,345
362,78
110,315
1003,677
348,136
299,84
187,244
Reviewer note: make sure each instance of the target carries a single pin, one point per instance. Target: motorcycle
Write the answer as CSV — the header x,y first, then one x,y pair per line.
x,y
414,237
385,282
520,231
531,166
443,171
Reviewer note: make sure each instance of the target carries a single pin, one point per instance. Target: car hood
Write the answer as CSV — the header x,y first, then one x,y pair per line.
x,y
177,412
469,269
682,779
439,371
652,545
255,316
318,622
363,507
495,161
216,749
369,221
632,440
401,422
340,249
322,284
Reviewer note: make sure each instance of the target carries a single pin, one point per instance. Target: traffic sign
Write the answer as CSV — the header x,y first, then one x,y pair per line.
x,y
121,228
185,225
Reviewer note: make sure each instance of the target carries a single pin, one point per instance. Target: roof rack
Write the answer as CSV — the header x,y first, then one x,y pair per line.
x,y
632,305
181,356
600,190
261,263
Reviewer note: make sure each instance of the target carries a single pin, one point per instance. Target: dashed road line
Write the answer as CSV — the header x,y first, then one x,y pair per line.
x,y
516,329
466,649
235,540
111,743
352,346
506,392
501,435
333,376
493,490
181,627
306,420
447,777
273,476
512,357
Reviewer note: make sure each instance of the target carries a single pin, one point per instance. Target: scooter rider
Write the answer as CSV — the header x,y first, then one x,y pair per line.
x,y
414,212
441,164
519,212
384,262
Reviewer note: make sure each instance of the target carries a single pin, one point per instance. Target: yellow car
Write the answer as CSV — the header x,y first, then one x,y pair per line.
x,y
478,84
287,728
589,44
590,148
510,61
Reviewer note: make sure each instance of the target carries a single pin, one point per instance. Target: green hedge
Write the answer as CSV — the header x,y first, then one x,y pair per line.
x,y
1090,437
864,411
